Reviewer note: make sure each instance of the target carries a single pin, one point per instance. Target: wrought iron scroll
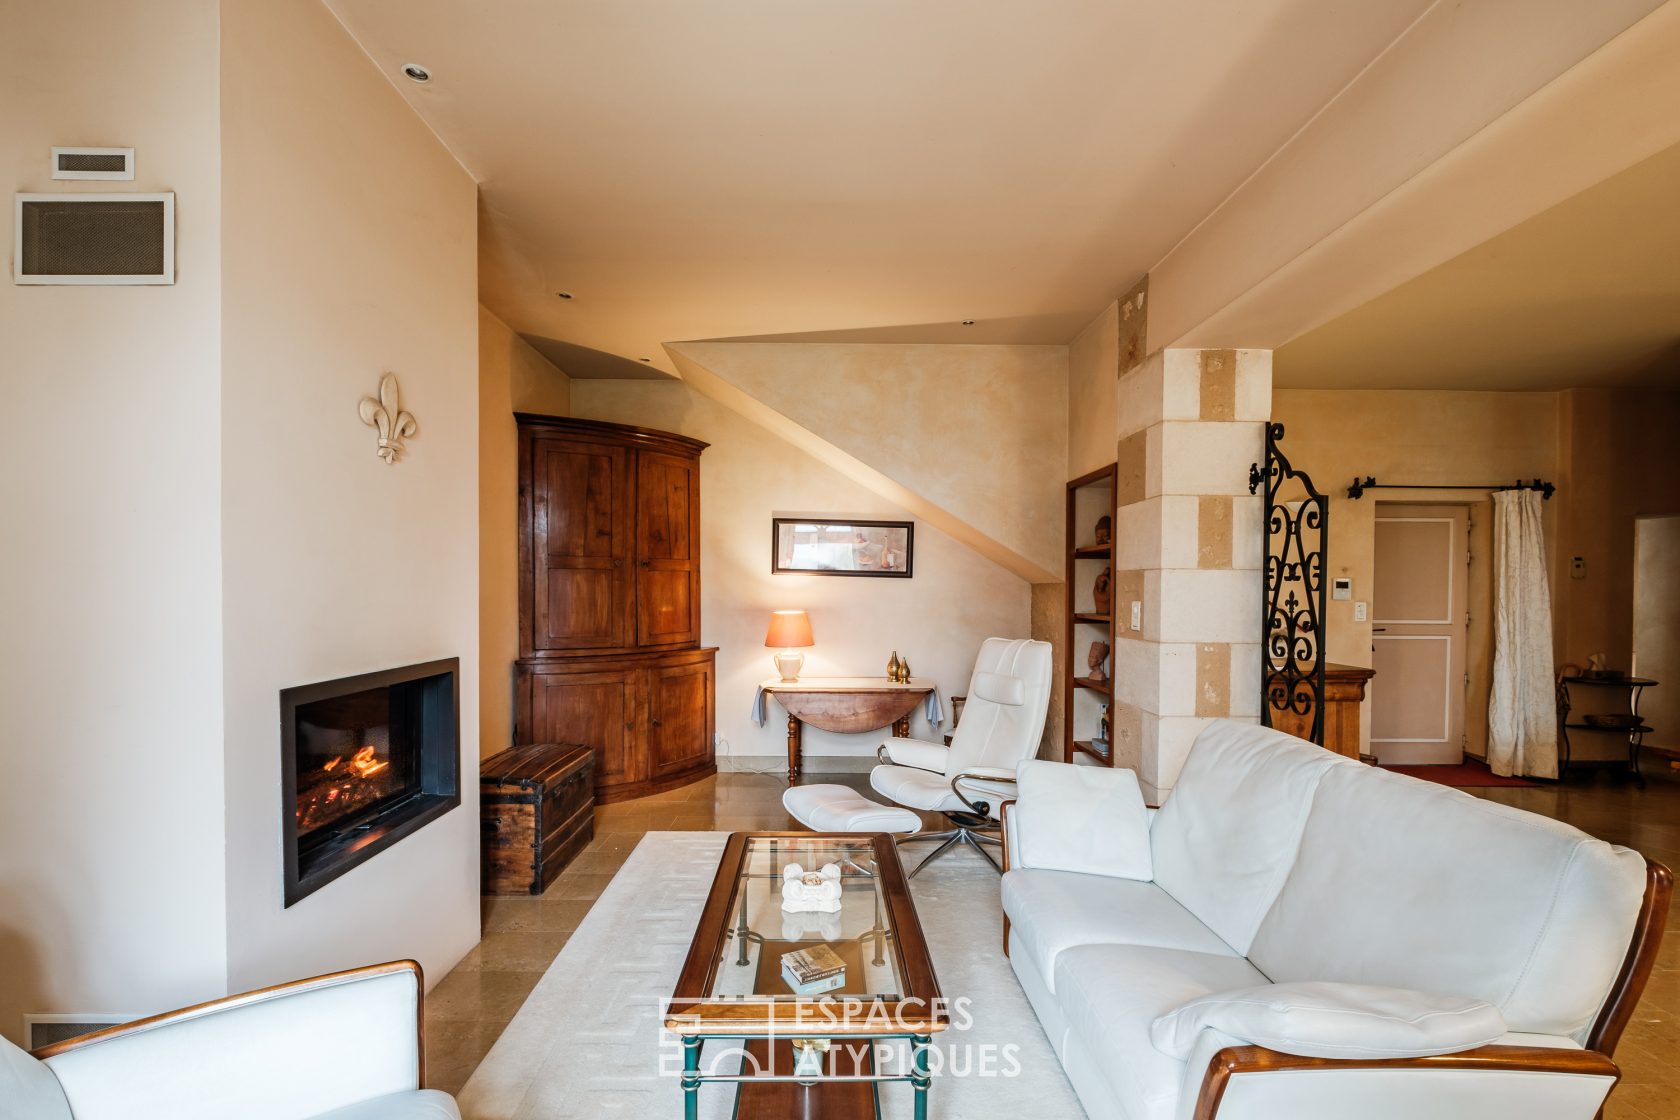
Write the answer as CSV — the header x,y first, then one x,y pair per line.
x,y
1297,525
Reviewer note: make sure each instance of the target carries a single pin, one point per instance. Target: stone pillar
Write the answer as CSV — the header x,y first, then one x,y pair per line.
x,y
1187,553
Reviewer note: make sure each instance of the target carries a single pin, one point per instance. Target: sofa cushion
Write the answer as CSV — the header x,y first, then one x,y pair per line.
x,y
1228,832
1051,912
1112,994
1081,818
422,1104
1323,1020
28,1087
1408,884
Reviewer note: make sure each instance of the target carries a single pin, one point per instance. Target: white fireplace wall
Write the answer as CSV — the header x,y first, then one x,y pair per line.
x,y
111,862
349,250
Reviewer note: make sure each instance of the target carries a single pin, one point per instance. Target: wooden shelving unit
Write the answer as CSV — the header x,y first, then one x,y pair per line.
x,y
1089,497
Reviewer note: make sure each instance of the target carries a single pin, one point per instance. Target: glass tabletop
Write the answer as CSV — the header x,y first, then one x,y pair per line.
x,y
759,933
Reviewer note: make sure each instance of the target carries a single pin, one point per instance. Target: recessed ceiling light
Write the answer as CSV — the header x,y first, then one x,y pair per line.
x,y
415,72
968,322
564,295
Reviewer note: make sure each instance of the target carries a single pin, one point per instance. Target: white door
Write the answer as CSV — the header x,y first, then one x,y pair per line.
x,y
1656,625
1418,621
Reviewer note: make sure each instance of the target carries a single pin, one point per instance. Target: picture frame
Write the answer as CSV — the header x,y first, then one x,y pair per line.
x,y
842,546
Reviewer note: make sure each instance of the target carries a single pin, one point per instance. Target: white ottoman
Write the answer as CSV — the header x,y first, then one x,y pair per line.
x,y
840,809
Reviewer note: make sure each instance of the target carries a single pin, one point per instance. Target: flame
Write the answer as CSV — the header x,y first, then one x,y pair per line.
x,y
365,765
333,765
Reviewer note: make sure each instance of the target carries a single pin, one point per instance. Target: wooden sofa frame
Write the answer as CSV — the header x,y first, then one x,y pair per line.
x,y
1594,1060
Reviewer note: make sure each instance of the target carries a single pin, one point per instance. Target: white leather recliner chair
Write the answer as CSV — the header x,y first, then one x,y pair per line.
x,y
339,1047
1002,723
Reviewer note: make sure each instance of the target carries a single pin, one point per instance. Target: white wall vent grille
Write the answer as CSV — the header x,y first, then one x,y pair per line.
x,y
94,239
93,163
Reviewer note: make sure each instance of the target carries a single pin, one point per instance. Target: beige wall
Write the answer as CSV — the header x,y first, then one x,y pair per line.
x,y
512,377
111,895
349,250
1407,436
978,431
937,619
1656,627
1093,393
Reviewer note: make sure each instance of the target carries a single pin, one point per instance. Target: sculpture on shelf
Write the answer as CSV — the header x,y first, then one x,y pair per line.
x,y
1101,596
817,890
1097,662
1102,734
1105,529
386,415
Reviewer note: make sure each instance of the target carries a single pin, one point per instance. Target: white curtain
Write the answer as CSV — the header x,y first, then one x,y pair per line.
x,y
1522,710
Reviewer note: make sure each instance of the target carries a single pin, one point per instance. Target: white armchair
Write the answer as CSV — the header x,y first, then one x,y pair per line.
x,y
341,1047
1000,728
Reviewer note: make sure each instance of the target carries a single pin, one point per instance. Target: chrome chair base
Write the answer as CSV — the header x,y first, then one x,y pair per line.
x,y
968,831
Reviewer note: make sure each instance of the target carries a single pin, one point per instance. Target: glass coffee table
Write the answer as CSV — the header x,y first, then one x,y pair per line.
x,y
813,1055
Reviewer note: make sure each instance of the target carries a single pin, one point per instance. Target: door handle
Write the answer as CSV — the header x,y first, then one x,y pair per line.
x,y
1379,629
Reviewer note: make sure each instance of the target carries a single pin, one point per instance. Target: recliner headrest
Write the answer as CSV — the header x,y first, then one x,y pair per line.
x,y
999,689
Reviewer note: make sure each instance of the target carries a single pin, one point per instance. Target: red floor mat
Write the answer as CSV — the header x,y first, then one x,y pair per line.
x,y
1467,773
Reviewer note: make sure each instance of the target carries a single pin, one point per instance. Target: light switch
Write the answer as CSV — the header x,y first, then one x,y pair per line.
x,y
1359,612
1137,616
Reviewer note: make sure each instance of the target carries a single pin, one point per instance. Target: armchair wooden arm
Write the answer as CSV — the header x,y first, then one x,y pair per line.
x,y
1236,1060
246,999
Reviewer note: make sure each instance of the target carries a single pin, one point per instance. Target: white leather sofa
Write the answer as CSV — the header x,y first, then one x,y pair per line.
x,y
340,1047
1296,936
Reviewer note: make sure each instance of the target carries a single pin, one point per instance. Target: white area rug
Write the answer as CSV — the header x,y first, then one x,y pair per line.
x,y
588,1042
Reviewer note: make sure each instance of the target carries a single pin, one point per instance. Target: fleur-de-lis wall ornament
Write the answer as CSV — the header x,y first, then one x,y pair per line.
x,y
386,414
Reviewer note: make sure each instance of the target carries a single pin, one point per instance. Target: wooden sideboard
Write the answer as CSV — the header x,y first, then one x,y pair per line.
x,y
609,602
1344,690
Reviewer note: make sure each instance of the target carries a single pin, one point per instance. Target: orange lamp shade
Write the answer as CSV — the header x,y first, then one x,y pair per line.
x,y
789,630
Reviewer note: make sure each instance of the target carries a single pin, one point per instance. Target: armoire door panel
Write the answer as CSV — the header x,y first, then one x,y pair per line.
x,y
600,710
680,717
581,545
667,550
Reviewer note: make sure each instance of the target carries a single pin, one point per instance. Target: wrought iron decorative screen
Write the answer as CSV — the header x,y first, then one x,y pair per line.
x,y
1296,526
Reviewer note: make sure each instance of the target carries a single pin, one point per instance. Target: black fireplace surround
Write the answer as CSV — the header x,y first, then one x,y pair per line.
x,y
366,761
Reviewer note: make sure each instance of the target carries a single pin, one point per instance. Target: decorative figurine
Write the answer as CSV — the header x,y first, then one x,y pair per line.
x,y
1105,528
1102,734
893,668
1101,597
1097,660
904,670
817,890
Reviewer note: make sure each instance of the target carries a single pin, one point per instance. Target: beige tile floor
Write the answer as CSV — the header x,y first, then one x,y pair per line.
x,y
468,1010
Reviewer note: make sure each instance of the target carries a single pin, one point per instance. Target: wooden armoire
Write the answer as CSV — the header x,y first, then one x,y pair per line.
x,y
609,602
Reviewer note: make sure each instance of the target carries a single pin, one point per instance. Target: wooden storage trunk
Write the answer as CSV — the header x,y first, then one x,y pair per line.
x,y
537,811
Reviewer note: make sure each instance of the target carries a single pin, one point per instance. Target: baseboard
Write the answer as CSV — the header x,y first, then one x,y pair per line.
x,y
811,764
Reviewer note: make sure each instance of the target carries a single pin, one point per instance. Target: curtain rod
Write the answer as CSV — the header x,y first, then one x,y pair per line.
x,y
1370,483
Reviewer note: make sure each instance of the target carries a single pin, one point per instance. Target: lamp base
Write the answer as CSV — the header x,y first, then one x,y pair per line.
x,y
788,663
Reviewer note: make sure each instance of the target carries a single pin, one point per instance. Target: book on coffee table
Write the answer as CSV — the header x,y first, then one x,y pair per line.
x,y
814,969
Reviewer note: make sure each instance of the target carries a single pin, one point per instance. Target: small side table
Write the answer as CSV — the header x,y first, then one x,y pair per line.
x,y
1635,731
845,705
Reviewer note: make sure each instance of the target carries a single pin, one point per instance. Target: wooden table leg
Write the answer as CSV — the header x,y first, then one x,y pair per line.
x,y
794,732
901,727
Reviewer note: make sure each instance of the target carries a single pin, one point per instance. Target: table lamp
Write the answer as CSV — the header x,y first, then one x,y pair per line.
x,y
789,631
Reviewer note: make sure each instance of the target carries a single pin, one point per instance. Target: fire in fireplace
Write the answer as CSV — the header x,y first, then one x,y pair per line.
x,y
367,760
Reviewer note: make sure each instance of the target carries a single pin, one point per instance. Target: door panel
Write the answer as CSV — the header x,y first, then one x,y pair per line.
x,y
582,541
601,710
667,550
1418,622
680,727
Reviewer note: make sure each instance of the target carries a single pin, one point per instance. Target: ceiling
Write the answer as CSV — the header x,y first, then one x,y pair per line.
x,y
853,170
1585,293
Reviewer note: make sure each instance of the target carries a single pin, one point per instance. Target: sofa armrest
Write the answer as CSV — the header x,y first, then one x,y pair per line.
x,y
299,1049
1535,1082
916,753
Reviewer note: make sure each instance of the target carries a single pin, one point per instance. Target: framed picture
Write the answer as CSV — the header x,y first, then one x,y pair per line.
x,y
813,546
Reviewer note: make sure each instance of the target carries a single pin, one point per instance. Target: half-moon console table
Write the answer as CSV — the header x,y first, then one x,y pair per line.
x,y
848,705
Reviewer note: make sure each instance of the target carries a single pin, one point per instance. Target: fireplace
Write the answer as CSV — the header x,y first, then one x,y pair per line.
x,y
365,761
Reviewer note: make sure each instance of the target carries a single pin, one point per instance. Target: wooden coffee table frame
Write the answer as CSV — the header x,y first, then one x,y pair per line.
x,y
917,1016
